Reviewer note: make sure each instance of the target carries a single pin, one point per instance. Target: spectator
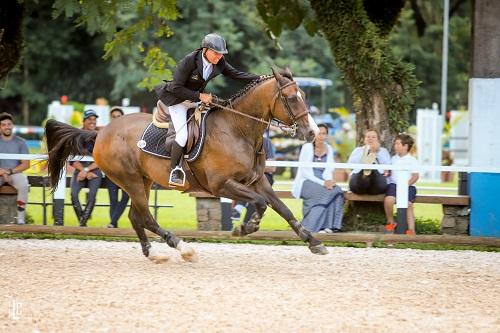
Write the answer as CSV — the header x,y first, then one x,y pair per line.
x,y
86,174
11,170
369,181
269,150
323,199
116,207
402,146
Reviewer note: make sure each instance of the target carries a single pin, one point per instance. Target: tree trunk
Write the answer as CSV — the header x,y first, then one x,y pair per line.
x,y
383,87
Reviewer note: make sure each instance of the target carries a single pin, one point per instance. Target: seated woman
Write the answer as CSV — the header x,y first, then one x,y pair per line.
x,y
369,181
323,199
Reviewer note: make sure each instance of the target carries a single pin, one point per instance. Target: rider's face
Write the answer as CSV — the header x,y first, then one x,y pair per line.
x,y
212,56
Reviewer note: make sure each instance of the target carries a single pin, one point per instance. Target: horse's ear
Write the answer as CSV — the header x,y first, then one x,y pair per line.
x,y
288,71
277,74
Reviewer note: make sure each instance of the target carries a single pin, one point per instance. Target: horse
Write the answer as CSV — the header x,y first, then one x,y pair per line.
x,y
231,164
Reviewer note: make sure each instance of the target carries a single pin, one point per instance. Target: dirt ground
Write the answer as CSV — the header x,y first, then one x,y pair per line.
x,y
96,286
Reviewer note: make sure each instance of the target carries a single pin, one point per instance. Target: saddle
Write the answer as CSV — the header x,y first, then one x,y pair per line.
x,y
159,136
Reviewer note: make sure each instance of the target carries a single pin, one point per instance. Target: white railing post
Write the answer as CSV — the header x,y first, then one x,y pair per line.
x,y
402,178
58,200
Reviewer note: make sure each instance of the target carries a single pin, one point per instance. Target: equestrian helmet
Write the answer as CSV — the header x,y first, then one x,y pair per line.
x,y
215,43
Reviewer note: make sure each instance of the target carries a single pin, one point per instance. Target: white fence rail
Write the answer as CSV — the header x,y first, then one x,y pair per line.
x,y
402,185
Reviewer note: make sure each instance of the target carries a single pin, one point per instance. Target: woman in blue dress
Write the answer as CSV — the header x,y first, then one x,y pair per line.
x,y
323,198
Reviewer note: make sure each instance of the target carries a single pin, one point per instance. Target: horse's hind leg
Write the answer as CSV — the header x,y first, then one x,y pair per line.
x,y
141,208
234,190
136,221
315,245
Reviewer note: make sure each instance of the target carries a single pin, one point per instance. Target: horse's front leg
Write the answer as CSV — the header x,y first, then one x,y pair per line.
x,y
315,245
237,191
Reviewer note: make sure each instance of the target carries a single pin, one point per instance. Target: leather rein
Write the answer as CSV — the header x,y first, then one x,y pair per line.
x,y
285,103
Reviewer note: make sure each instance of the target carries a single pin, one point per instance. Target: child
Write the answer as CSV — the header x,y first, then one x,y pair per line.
x,y
402,146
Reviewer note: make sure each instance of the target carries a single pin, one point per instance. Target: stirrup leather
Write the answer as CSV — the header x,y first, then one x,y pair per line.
x,y
177,168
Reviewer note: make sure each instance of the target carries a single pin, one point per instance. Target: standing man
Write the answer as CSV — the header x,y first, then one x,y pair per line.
x,y
11,170
87,174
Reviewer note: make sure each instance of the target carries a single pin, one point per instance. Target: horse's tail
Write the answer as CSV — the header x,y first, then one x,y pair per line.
x,y
63,141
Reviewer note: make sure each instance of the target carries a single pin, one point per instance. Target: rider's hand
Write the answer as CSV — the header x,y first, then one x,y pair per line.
x,y
206,98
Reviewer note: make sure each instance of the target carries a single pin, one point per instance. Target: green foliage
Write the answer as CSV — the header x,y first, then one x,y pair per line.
x,y
11,37
427,226
362,52
126,25
275,15
383,87
59,58
425,53
28,219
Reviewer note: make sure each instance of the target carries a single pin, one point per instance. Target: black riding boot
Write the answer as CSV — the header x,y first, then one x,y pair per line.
x,y
87,212
78,209
175,159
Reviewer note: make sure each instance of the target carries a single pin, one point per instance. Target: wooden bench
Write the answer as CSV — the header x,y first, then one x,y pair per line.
x,y
455,208
8,206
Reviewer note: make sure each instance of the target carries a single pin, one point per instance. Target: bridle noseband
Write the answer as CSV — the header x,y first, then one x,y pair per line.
x,y
288,108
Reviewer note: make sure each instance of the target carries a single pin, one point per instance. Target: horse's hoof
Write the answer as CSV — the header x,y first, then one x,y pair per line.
x,y
158,258
187,252
318,249
252,227
238,231
145,249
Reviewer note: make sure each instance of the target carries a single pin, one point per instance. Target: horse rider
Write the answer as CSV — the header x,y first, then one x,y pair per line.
x,y
186,90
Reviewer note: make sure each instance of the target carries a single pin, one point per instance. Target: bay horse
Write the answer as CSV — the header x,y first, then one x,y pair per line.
x,y
231,164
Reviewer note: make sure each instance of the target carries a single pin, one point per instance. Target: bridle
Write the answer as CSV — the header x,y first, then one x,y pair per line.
x,y
284,100
288,108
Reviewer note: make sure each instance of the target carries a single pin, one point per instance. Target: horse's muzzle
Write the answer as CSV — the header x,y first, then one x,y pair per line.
x,y
309,136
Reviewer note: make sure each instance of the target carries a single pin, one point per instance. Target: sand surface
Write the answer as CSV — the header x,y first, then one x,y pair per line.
x,y
97,286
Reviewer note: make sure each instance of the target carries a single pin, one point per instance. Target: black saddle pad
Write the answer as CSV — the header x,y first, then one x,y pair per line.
x,y
153,141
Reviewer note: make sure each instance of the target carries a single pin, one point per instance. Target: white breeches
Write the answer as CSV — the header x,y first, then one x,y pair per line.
x,y
178,113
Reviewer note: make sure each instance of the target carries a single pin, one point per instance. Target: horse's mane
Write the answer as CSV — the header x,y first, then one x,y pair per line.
x,y
243,91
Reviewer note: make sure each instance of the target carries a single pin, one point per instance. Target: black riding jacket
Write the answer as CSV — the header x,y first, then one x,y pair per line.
x,y
188,80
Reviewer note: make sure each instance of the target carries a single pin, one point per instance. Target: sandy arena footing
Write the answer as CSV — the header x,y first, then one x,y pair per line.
x,y
97,286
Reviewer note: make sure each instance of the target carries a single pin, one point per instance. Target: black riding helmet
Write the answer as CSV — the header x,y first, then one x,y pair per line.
x,y
215,43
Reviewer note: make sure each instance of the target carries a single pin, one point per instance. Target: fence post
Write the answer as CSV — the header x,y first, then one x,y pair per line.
x,y
58,207
226,222
402,201
156,201
44,203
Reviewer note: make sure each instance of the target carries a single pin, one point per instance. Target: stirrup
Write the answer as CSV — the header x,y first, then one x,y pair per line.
x,y
177,168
